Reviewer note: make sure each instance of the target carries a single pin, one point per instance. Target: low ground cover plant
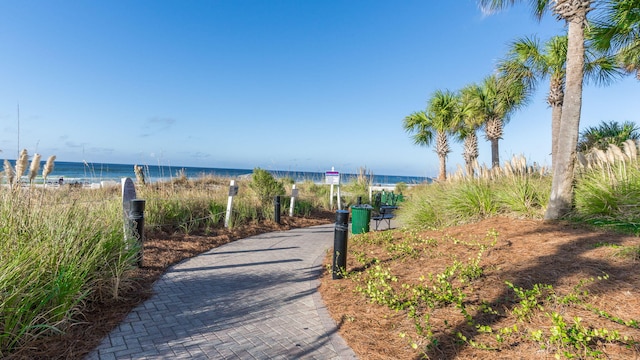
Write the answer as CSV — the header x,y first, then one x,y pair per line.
x,y
488,289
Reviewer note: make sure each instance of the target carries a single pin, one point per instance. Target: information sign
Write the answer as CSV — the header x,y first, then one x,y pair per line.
x,y
332,177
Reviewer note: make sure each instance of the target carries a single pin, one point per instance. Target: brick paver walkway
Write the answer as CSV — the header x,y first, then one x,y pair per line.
x,y
254,298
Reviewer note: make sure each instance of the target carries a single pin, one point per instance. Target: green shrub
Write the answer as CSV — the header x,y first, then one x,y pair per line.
x,y
266,187
303,207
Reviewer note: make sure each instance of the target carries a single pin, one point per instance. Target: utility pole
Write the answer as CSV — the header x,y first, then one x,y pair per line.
x,y
18,155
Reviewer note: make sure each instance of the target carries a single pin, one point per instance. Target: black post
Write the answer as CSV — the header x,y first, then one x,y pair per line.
x,y
340,243
277,210
359,200
136,216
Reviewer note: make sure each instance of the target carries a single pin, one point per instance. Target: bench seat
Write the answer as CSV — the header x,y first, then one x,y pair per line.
x,y
384,214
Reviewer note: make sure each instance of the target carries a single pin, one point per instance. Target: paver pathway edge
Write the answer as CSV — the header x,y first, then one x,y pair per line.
x,y
254,298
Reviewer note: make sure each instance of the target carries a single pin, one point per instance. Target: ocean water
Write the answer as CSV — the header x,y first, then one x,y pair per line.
x,y
89,173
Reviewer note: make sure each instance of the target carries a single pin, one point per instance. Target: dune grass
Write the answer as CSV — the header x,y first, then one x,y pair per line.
x,y
62,249
54,258
606,194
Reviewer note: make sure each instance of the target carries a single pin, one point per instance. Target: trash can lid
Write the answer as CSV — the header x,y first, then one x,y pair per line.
x,y
363,206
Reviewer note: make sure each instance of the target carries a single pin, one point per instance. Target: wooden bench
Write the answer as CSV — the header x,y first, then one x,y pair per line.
x,y
385,213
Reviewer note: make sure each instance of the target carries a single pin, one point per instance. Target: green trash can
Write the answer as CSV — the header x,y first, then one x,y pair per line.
x,y
360,218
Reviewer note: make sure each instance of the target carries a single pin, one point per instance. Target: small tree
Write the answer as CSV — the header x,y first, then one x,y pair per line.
x,y
265,186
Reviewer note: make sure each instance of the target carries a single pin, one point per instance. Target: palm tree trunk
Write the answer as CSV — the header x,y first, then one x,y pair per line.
x,y
495,153
555,100
556,116
562,183
470,153
493,132
442,149
442,174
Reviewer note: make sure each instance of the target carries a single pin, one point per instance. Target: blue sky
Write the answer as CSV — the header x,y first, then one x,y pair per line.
x,y
296,85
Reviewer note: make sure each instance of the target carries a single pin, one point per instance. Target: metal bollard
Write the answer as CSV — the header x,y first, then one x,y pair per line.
x,y
340,243
136,219
277,210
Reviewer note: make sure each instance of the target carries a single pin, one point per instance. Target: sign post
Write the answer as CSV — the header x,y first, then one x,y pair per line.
x,y
294,195
333,178
233,191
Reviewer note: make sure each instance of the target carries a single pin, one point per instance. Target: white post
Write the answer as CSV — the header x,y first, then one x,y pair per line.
x,y
331,198
370,194
339,201
293,199
227,217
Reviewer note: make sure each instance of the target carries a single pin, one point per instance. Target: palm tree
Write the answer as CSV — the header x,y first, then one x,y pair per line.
x,y
531,61
618,29
438,121
467,124
527,59
607,133
574,13
494,101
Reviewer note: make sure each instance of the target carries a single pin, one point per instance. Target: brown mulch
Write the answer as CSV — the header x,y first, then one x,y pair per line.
x,y
160,251
526,252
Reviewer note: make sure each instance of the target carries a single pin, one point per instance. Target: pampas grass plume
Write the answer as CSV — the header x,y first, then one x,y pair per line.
x,y
8,171
35,166
48,167
617,154
22,163
630,149
582,159
600,156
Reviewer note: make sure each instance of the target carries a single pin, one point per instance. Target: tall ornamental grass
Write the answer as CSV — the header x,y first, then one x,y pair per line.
x,y
187,205
316,194
608,189
515,190
53,259
606,193
358,187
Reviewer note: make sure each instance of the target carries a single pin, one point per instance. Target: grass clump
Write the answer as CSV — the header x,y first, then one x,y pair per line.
x,y
53,260
471,201
607,189
520,193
